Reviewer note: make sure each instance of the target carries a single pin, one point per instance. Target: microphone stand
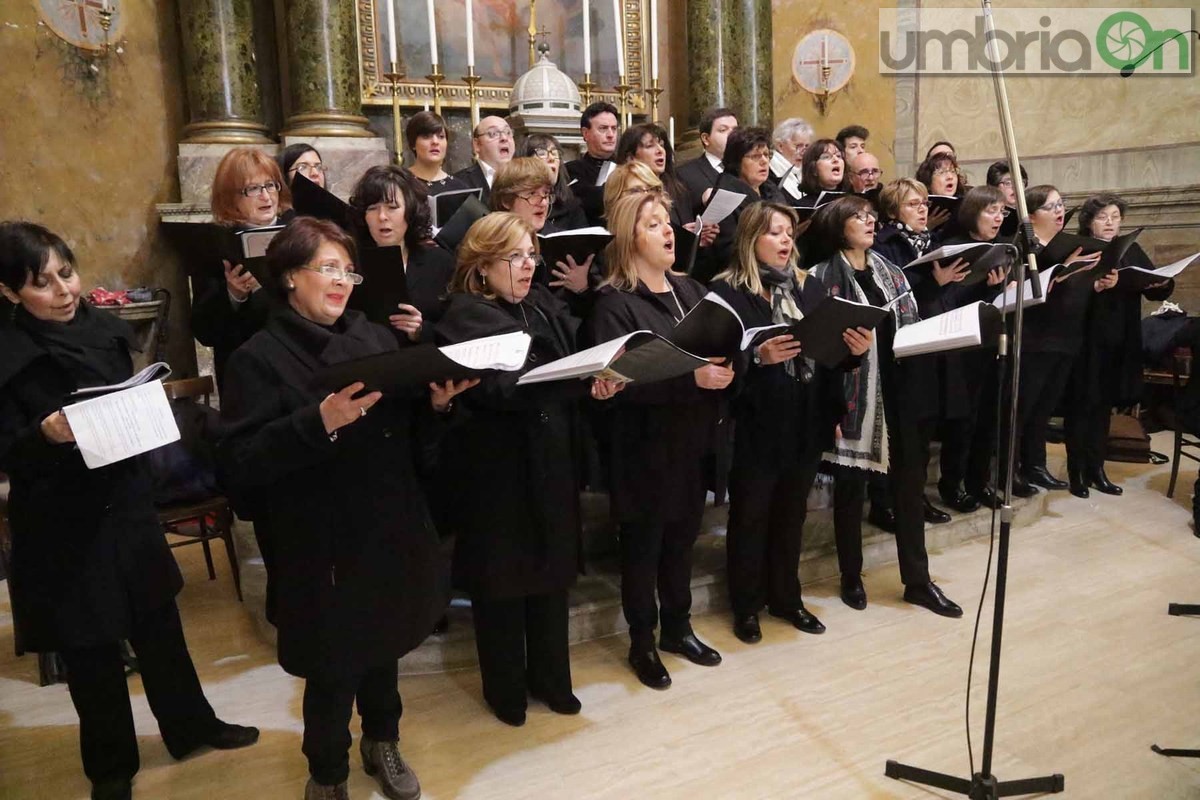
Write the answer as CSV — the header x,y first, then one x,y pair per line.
x,y
983,785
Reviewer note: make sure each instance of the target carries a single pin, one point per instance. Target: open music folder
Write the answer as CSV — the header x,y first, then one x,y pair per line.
x,y
579,244
121,422
638,357
974,325
1139,278
979,258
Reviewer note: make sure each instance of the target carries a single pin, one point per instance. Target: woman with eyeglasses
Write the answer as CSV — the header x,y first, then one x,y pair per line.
x,y
823,169
394,208
891,409
941,176
426,136
658,437
353,572
565,212
785,408
1107,372
511,463
227,307
1052,339
301,159
90,567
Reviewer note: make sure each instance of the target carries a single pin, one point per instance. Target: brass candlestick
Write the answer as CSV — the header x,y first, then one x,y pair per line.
x,y
106,15
472,80
586,86
393,77
654,91
436,80
622,89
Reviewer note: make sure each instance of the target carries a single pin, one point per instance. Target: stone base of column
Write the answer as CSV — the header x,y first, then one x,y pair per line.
x,y
328,123
198,164
345,159
229,131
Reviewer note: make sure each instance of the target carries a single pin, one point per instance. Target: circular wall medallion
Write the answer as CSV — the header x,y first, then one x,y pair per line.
x,y
78,21
823,61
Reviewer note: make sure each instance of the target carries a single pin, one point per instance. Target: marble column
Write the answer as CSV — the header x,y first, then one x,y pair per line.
x,y
224,100
322,49
729,59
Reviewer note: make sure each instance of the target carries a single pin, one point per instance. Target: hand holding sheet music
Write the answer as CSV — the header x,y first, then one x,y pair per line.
x,y
721,205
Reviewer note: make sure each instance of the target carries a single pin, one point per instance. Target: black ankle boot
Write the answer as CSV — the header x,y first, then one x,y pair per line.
x,y
1079,484
1100,482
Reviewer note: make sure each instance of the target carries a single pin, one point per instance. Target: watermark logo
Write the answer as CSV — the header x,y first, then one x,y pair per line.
x,y
1036,41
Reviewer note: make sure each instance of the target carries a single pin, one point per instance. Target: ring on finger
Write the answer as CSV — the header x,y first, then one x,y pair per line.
x,y
362,411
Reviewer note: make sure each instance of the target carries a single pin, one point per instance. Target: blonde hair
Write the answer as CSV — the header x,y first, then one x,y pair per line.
x,y
487,240
894,193
754,223
237,167
518,176
618,182
621,252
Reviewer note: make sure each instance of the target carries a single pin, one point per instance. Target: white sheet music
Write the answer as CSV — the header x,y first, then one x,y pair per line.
x,y
949,331
721,206
1007,302
1170,270
157,371
584,364
505,352
117,426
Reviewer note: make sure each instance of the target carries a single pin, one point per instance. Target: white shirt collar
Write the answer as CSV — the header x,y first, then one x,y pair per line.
x,y
489,172
716,162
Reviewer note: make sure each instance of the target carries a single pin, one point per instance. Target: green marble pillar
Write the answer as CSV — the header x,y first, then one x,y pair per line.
x,y
729,56
224,100
322,48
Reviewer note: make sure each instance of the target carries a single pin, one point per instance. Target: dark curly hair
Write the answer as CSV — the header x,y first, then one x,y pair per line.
x,y
384,184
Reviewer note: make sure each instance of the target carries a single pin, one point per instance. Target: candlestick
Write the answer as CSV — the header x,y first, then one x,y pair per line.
x,y
106,15
532,32
471,79
671,130
622,90
436,78
433,53
653,41
654,91
470,35
587,39
619,28
391,26
586,86
393,77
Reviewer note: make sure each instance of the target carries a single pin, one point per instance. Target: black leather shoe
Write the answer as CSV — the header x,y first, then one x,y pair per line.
x,y
987,498
1079,484
690,648
931,597
120,789
746,628
934,515
317,791
1022,487
961,501
382,761
649,668
854,594
568,705
1039,476
225,736
801,619
882,518
1100,482
510,716
443,625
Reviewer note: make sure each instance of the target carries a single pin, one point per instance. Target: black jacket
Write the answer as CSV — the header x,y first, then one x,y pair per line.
x,y
658,434
472,178
88,554
511,460
583,173
698,176
354,575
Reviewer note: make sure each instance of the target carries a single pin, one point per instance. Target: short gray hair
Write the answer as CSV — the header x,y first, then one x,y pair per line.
x,y
791,127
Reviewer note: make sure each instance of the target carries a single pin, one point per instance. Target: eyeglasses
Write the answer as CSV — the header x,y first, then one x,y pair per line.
x,y
547,152
517,260
309,169
1057,205
256,189
865,217
1005,182
915,204
1104,219
829,157
537,198
869,173
762,155
496,133
945,171
336,273
641,190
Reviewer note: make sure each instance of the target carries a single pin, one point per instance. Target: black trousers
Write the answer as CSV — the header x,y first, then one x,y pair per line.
x,y
98,687
522,646
879,491
1043,378
909,455
656,553
767,508
328,705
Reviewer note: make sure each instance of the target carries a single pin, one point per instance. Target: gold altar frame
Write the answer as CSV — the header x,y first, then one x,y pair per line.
x,y
377,91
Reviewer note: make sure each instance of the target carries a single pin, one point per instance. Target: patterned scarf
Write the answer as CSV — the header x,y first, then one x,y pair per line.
x,y
863,442
781,283
919,241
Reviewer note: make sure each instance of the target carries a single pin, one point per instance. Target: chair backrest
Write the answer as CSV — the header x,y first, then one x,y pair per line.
x,y
188,388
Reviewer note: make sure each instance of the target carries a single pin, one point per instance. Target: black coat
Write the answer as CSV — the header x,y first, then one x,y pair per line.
x,y
352,558
715,258
657,434
583,173
428,275
780,420
511,459
473,178
698,176
88,554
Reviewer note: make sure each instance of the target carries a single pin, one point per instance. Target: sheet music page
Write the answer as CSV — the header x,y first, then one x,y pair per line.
x,y
723,203
949,331
159,370
117,426
1007,302
583,364
1171,270
505,352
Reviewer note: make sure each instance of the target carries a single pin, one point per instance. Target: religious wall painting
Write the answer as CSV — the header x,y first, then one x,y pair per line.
x,y
81,22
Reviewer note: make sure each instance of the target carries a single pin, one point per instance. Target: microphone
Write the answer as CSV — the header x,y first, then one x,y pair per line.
x,y
1128,69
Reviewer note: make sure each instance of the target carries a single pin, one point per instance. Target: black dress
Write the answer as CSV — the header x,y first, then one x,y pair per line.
x,y
657,438
511,464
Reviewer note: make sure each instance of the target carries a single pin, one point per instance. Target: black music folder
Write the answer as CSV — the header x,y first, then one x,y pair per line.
x,y
310,200
442,207
450,236
384,285
579,244
980,258
638,357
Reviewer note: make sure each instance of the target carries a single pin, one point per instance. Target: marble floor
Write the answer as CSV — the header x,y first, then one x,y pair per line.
x,y
1094,672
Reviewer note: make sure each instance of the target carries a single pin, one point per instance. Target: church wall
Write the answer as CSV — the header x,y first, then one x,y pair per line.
x,y
89,153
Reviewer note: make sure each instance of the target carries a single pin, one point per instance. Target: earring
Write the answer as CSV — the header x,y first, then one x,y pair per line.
x,y
291,286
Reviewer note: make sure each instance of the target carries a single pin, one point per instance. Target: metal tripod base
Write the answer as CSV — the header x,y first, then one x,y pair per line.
x,y
979,787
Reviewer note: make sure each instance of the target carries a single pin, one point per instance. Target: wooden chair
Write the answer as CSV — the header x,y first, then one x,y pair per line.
x,y
1185,445
201,521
